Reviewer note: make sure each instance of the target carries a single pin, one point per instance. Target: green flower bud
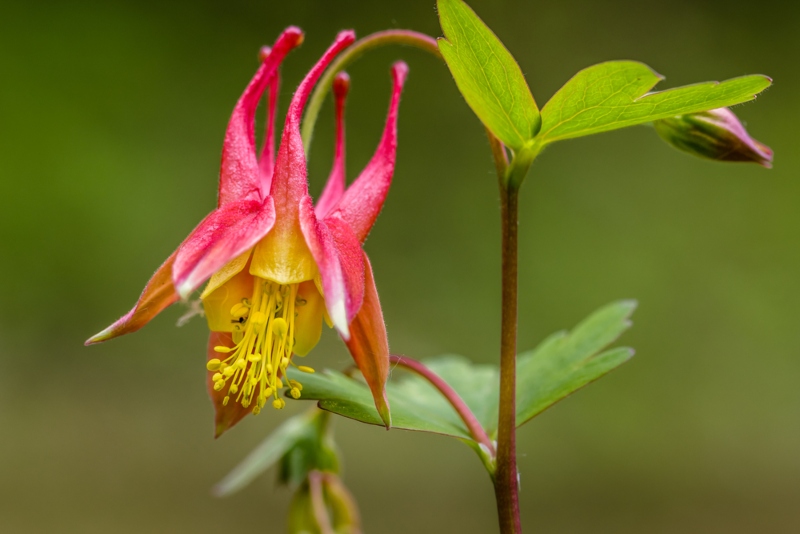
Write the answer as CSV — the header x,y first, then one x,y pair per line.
x,y
717,134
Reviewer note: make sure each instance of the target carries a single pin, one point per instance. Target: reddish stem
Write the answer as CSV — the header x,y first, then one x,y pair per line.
x,y
315,479
375,40
473,425
506,486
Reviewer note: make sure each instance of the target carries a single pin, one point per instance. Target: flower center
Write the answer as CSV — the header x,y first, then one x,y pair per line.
x,y
264,337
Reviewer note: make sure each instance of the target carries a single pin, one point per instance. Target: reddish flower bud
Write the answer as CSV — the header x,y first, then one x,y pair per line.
x,y
717,134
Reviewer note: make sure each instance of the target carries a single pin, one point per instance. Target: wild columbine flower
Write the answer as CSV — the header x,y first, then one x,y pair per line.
x,y
276,265
716,134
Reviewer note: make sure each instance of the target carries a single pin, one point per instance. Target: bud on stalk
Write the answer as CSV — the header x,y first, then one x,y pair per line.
x,y
716,134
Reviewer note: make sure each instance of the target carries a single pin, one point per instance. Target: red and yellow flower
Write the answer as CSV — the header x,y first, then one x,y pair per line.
x,y
276,264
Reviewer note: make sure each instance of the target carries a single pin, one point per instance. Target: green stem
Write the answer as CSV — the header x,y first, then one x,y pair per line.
x,y
506,485
375,40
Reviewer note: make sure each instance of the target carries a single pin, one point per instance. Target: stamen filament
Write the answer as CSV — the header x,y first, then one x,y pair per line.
x,y
264,339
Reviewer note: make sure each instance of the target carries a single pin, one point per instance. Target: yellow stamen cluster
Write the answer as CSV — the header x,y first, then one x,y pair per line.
x,y
264,334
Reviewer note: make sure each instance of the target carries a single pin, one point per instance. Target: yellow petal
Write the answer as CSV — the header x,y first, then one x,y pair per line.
x,y
283,256
231,269
220,301
308,323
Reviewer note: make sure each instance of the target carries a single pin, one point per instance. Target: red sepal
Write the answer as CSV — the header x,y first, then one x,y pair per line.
x,y
223,235
157,295
369,345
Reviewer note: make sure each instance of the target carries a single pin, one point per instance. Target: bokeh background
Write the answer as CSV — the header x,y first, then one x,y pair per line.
x,y
111,122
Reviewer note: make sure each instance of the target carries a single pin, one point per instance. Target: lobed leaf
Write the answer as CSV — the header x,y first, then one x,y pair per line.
x,y
416,405
487,75
478,385
562,364
615,94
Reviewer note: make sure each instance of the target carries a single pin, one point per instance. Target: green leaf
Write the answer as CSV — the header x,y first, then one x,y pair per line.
x,y
614,95
562,364
487,75
416,405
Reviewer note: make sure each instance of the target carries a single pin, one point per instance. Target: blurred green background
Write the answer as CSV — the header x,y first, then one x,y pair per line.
x,y
111,122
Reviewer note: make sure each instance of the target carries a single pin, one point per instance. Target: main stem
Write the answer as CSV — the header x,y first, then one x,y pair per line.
x,y
505,482
506,485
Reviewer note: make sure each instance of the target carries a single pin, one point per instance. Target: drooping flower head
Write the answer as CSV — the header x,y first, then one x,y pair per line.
x,y
715,134
277,265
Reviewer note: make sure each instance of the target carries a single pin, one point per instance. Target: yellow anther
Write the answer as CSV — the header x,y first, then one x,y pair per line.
x,y
280,327
237,334
252,370
239,310
256,409
305,369
259,319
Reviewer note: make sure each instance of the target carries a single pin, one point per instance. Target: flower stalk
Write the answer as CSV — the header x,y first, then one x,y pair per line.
x,y
473,425
355,51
